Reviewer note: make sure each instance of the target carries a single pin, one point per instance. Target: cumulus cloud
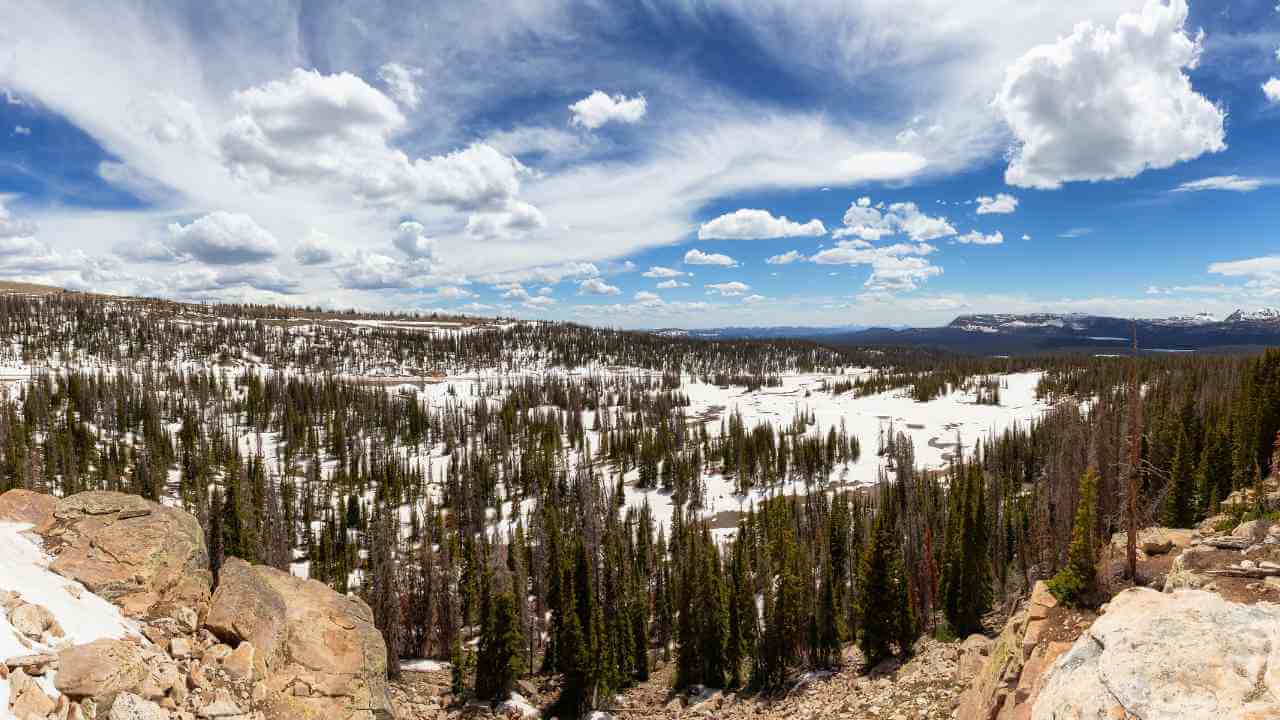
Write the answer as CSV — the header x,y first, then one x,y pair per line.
x,y
749,224
600,108
671,284
753,299
785,258
1233,183
222,238
401,81
870,223
377,271
658,271
411,239
1001,204
976,238
644,296
315,250
596,286
21,130
697,257
1271,90
732,288
1107,103
515,220
901,266
336,130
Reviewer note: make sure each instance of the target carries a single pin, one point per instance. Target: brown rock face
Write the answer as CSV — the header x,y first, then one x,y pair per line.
x,y
303,633
142,556
24,506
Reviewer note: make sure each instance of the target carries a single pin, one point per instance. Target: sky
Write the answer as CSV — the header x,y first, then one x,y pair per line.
x,y
657,163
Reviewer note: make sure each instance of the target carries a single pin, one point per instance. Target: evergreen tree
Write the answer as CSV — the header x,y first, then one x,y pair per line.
x,y
500,663
1075,583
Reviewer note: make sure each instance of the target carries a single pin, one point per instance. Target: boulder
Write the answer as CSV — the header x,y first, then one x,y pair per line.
x,y
26,699
101,670
1253,530
144,557
300,632
1157,656
1154,540
986,693
31,508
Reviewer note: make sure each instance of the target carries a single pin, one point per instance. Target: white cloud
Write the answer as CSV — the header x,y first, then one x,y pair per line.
x,y
336,130
1271,89
1103,103
732,288
870,223
658,271
892,274
644,296
1026,236
222,238
1233,183
543,274
896,267
377,271
671,284
198,281
1077,232
1001,204
785,258
599,108
21,130
315,250
402,81
697,257
750,224
753,299
976,238
411,239
517,219
1263,273
596,286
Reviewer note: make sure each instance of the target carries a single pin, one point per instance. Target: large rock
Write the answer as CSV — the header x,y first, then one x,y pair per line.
x,y
101,670
319,652
1159,656
1154,540
31,508
144,557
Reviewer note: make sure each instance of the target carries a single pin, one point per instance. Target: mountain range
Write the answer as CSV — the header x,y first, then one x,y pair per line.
x,y
1007,333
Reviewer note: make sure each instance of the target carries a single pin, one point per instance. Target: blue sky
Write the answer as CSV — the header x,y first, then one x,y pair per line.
x,y
745,162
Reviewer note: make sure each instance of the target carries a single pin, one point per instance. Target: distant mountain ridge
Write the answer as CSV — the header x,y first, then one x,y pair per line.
x,y
996,333
1023,333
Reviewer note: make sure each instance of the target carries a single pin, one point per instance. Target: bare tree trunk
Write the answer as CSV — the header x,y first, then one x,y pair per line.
x,y
1135,460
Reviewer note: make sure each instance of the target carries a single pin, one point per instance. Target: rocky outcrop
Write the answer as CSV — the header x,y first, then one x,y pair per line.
x,y
1156,656
318,652
1007,685
142,556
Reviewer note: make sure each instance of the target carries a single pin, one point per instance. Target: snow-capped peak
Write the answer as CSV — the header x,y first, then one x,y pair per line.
x,y
1260,315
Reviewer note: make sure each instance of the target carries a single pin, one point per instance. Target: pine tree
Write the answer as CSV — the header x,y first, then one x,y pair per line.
x,y
1074,584
500,663
887,617
1179,506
